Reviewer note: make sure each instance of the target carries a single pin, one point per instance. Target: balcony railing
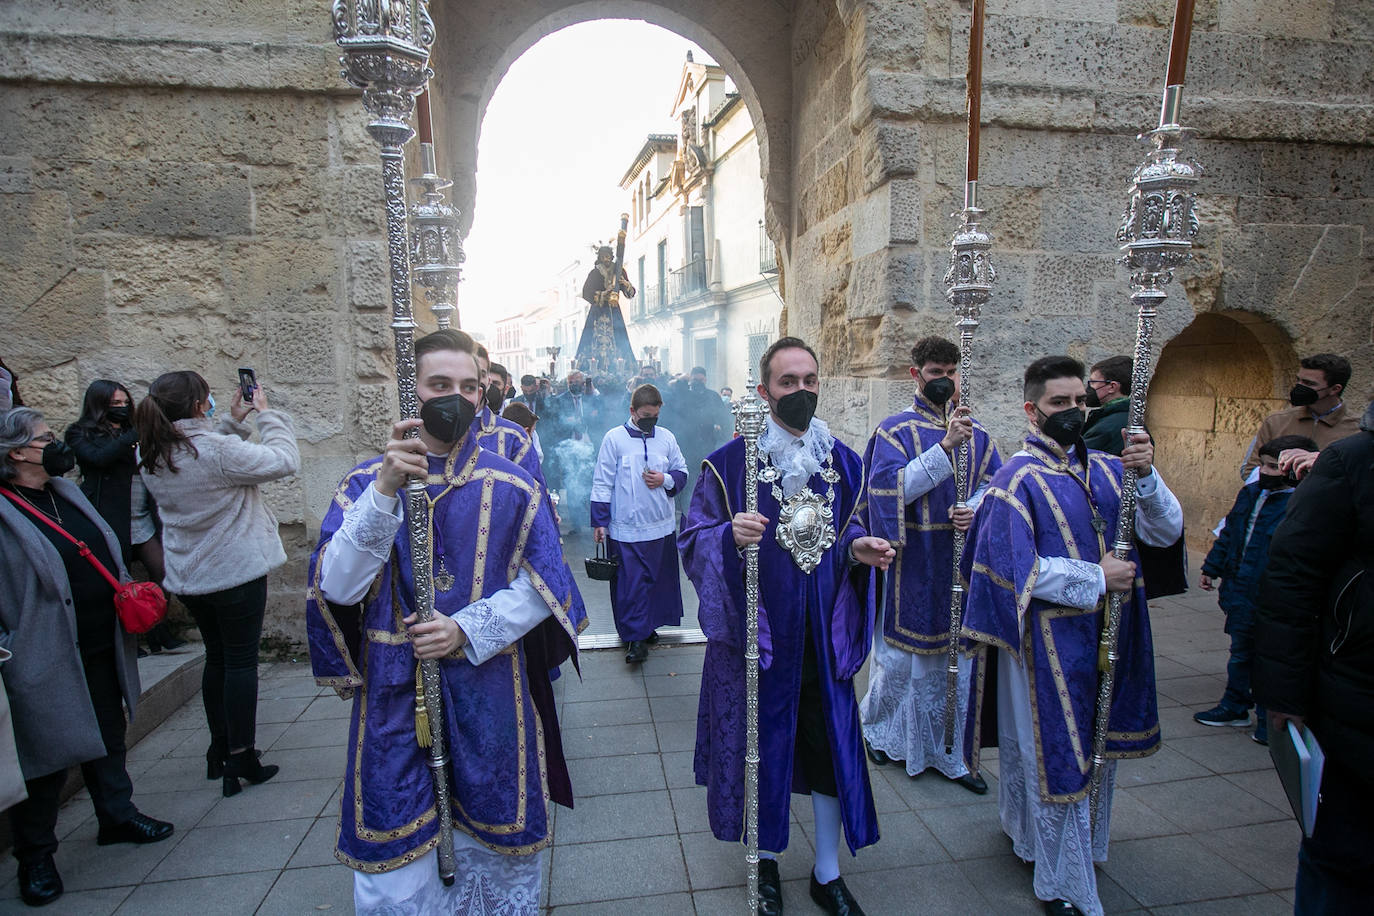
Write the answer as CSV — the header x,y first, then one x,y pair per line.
x,y
768,252
687,281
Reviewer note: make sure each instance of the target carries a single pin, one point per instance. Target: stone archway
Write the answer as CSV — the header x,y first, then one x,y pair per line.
x,y
478,40
1214,384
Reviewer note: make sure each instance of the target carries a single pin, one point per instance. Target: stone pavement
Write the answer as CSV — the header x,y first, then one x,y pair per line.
x,y
1202,827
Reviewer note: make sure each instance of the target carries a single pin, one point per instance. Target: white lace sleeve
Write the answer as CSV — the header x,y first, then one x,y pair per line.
x,y
1158,515
925,472
1069,583
360,547
495,622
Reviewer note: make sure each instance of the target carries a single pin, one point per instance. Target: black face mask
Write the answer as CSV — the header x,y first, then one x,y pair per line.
x,y
1302,396
1274,481
797,409
118,415
938,391
1063,426
646,424
575,389
1092,400
58,458
447,418
495,397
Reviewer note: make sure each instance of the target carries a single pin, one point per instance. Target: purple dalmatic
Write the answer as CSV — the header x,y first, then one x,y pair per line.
x,y
507,439
833,604
490,523
916,614
1044,503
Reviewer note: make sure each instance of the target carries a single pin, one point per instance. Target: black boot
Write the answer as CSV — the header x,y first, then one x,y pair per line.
x,y
160,637
245,765
770,888
214,758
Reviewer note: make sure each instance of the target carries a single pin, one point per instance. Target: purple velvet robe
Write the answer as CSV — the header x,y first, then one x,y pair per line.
x,y
1038,505
916,615
505,750
509,440
835,599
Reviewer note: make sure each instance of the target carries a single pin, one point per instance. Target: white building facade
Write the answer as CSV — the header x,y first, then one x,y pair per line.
x,y
696,249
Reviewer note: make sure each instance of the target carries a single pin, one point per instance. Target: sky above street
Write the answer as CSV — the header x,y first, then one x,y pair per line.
x,y
563,126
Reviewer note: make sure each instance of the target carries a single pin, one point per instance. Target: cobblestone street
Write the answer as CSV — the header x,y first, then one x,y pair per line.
x,y
1201,827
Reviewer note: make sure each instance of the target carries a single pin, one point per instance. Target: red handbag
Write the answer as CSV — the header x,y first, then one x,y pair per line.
x,y
140,605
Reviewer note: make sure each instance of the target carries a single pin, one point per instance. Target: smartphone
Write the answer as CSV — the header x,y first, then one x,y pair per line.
x,y
248,384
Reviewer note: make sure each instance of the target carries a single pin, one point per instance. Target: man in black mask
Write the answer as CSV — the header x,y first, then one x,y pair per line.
x,y
1317,412
1039,568
814,629
912,501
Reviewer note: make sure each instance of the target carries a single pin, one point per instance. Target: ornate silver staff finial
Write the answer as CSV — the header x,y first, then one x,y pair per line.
x,y
385,45
751,419
436,248
968,286
1156,236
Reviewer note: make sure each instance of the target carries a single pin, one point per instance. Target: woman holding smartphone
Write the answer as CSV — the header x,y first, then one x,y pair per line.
x,y
220,541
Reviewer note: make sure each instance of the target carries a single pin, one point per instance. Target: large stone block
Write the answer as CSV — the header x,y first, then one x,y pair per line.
x,y
266,277
1282,18
305,347
156,276
35,246
894,34
185,199
1072,220
318,410
64,323
369,275
227,20
353,202
374,412
1160,14
1068,283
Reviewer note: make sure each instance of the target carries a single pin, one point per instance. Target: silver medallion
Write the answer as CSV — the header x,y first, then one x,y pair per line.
x,y
806,528
443,579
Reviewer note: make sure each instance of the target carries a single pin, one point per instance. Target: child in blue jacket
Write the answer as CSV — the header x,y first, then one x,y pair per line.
x,y
1236,564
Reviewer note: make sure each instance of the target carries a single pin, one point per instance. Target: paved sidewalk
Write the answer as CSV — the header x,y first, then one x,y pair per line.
x,y
1202,827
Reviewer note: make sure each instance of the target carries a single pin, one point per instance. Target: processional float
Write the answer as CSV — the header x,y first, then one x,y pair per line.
x,y
1156,236
385,49
968,285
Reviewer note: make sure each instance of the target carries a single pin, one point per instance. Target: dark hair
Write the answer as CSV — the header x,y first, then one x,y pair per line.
x,y
1278,444
782,343
444,339
498,369
520,414
528,380
698,370
934,350
1116,369
172,396
1045,369
1335,368
481,353
15,399
97,402
645,396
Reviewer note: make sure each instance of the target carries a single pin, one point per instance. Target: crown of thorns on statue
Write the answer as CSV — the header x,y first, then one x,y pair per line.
x,y
604,253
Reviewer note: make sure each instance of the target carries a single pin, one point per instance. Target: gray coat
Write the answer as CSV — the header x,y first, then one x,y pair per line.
x,y
54,721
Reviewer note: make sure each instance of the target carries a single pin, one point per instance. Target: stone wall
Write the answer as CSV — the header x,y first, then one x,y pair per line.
x,y
187,186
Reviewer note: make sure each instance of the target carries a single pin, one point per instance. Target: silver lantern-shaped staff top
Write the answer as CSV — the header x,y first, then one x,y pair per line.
x,y
968,286
751,419
1155,237
385,45
436,247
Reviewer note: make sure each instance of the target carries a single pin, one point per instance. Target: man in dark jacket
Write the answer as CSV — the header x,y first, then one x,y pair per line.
x,y
1314,662
1109,396
1237,560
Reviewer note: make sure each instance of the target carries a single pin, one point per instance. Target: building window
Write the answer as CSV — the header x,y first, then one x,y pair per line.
x,y
758,343
662,273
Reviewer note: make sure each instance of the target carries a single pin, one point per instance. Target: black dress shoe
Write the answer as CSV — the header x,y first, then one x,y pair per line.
x,y
834,898
653,638
881,758
973,782
138,829
39,882
770,888
1061,908
636,652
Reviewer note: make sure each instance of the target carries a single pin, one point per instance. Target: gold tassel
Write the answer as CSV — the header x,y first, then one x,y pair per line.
x,y
422,736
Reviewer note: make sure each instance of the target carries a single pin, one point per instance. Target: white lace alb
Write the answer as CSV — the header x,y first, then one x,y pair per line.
x,y
797,464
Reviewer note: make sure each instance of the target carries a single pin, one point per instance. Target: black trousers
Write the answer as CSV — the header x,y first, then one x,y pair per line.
x,y
230,623
1336,863
813,752
34,820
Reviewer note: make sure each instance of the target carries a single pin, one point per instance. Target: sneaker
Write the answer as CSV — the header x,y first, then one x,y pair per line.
x,y
1261,737
1220,715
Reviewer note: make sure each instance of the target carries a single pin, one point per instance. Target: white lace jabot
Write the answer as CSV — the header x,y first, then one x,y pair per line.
x,y
798,458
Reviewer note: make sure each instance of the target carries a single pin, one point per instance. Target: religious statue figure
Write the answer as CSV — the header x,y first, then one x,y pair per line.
x,y
604,337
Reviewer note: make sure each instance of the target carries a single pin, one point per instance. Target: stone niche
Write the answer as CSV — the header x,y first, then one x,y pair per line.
x,y
189,185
